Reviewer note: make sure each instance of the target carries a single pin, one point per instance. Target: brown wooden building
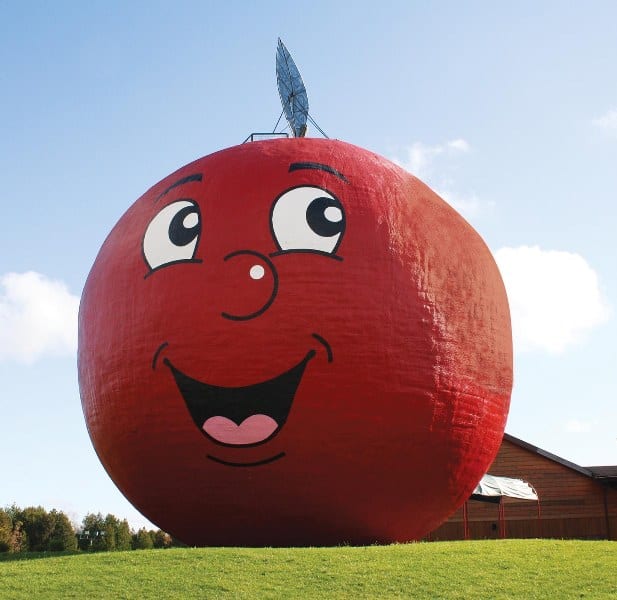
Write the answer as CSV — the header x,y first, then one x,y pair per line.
x,y
574,502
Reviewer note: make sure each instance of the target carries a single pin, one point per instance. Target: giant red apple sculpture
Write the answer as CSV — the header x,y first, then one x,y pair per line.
x,y
294,342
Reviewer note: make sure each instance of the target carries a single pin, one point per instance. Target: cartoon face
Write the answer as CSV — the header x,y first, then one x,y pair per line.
x,y
303,218
294,342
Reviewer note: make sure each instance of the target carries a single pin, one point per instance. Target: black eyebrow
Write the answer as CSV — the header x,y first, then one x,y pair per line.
x,y
187,179
313,165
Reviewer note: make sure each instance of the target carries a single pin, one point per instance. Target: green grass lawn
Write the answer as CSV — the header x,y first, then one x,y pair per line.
x,y
472,570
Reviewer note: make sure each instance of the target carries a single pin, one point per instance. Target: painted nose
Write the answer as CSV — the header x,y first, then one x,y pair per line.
x,y
251,285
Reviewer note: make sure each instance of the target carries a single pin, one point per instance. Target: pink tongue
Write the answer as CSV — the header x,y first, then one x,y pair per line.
x,y
252,430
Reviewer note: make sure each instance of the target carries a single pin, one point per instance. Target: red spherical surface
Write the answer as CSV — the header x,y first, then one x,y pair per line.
x,y
294,342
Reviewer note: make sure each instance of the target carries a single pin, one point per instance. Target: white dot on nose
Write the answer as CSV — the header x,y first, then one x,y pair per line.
x,y
257,272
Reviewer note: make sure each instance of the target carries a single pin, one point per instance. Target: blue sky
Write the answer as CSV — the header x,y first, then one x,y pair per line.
x,y
508,111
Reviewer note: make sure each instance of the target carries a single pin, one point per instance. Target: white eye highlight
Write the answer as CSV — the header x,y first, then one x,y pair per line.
x,y
191,220
173,234
333,214
308,219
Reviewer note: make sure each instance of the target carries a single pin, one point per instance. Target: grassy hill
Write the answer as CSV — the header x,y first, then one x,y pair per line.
x,y
470,570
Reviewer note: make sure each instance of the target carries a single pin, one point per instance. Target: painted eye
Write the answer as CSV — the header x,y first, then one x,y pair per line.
x,y
173,234
308,219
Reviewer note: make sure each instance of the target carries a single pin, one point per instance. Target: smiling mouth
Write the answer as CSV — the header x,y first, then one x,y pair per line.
x,y
240,416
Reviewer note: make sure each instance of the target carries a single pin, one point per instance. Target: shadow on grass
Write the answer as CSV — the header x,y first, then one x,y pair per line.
x,y
16,556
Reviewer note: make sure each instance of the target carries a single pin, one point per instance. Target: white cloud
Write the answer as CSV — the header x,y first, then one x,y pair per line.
x,y
555,297
433,164
420,158
608,121
38,317
459,144
577,426
468,205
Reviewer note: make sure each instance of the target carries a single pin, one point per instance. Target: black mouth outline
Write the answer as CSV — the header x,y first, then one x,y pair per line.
x,y
258,463
265,461
272,398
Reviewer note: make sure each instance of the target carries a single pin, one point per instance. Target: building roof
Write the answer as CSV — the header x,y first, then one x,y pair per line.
x,y
605,474
604,471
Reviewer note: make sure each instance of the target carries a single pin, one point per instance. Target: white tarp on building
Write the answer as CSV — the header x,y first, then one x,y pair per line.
x,y
492,487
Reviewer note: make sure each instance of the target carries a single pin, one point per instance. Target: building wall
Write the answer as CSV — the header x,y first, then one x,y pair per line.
x,y
572,504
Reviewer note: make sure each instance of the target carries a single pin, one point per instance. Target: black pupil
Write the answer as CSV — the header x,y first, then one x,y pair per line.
x,y
319,222
179,233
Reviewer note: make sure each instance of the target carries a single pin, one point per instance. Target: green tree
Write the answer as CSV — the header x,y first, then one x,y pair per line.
x,y
35,529
93,533
160,539
63,535
107,533
123,536
19,539
142,540
6,529
38,526
13,511
110,528
176,543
